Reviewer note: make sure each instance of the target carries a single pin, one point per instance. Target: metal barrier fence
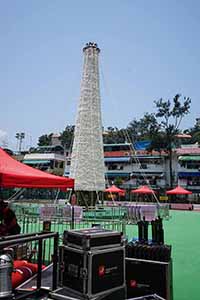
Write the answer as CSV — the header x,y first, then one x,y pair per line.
x,y
101,212
112,218
31,224
129,211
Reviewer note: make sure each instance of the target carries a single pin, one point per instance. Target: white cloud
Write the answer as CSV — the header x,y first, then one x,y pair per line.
x,y
3,138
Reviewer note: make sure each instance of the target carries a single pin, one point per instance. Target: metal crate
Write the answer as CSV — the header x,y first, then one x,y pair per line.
x,y
92,273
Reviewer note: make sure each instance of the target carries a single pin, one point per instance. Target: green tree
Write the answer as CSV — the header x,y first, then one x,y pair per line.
x,y
133,130
195,137
118,181
66,136
195,133
158,142
170,114
113,135
143,129
45,140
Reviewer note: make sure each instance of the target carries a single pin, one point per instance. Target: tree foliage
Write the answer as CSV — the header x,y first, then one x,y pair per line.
x,y
66,136
45,140
113,135
195,133
143,129
170,114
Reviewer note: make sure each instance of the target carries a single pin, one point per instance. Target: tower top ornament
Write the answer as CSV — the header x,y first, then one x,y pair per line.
x,y
91,45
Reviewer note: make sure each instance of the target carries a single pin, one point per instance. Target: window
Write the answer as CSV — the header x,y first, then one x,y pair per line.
x,y
61,164
143,166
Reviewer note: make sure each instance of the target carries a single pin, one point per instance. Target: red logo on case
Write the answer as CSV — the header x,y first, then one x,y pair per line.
x,y
101,270
133,283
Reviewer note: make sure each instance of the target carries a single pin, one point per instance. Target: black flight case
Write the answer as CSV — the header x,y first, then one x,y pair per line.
x,y
92,238
92,273
92,263
145,277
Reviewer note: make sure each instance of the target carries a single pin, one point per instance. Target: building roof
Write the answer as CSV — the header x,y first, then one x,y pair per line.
x,y
189,158
183,136
117,159
188,174
117,174
36,162
120,144
55,135
188,150
150,153
147,173
50,147
117,153
141,153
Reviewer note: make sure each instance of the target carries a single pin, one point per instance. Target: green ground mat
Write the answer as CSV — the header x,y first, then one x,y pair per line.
x,y
182,231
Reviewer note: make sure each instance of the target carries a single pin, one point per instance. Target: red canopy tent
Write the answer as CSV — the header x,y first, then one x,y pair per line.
x,y
114,189
178,191
16,174
143,190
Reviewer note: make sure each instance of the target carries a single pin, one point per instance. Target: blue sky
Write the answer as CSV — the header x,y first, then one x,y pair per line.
x,y
149,50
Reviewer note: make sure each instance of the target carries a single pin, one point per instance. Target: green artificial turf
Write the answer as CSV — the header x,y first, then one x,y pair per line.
x,y
182,231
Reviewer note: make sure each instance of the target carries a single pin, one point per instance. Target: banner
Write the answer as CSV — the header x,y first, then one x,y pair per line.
x,y
67,213
48,212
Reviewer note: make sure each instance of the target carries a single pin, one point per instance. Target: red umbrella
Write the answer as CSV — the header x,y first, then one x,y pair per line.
x,y
178,191
143,190
114,189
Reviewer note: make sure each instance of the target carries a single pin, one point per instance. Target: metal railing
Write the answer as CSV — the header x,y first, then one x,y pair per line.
x,y
33,223
40,239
